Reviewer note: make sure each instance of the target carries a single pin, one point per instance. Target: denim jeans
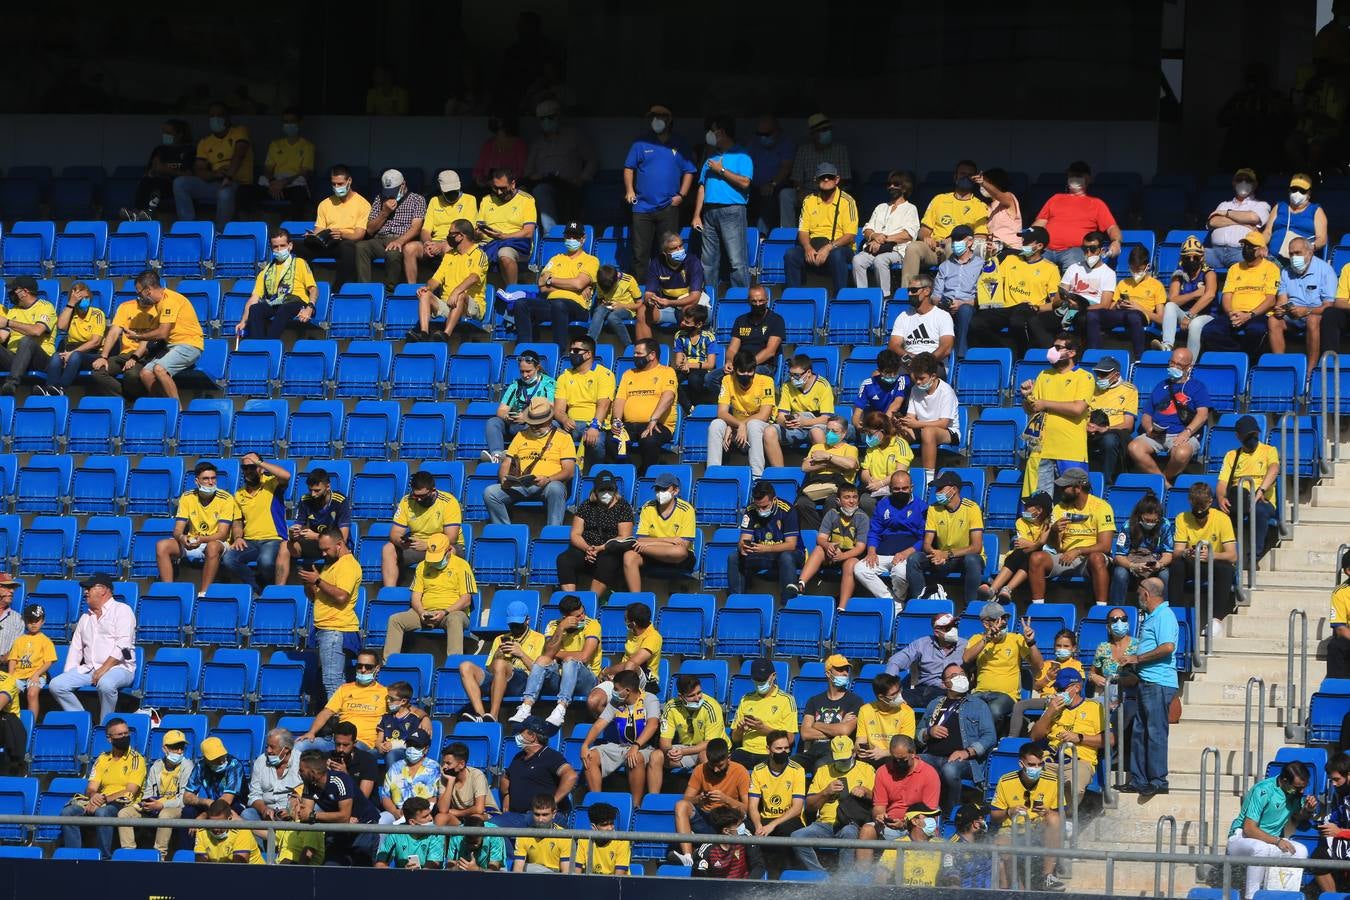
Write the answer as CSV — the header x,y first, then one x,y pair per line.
x,y
615,319
332,660
1148,745
1223,257
837,265
264,553
950,773
103,835
725,226
1106,454
1066,257
189,188
566,679
818,829
63,374
1050,469
498,500
1121,579
918,569
63,688
1219,334
698,386
961,322
1172,323
1000,707
1103,320
496,430
785,566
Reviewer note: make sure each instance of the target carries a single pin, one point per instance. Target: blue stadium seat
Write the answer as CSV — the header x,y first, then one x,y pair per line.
x,y
368,549
102,546
861,630
355,310
47,545
1225,375
20,197
853,316
685,623
221,615
772,251
803,312
916,619
371,428
186,249
95,425
484,740
281,683
80,249
61,600
1129,489
721,495
471,437
253,368
715,558
363,370
260,427
204,427
474,371
143,542
414,668
230,681
1327,707
242,735
54,798
59,744
308,369
377,488
150,426
279,616
856,368
447,688
28,248
803,625
43,484
172,677
152,487
742,625
694,440
133,247
544,552
496,621
18,797
656,813
982,377
625,476
315,429
138,722
968,624
240,249
388,602
1278,381
164,613
621,802
427,431
419,372
714,675
99,484
39,425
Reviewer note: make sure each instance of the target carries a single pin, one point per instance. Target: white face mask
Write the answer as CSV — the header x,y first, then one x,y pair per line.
x,y
950,636
1298,198
664,497
607,497
658,125
710,138
960,684
1243,189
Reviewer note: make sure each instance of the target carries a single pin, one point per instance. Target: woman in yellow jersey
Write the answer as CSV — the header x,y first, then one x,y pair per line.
x,y
84,325
886,453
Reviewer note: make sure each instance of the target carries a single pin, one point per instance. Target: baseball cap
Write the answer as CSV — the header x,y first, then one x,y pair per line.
x,y
23,282
1244,174
448,180
943,621
841,748
318,476
667,480
827,169
390,182
1192,247
539,411
1067,677
1035,235
574,230
517,613
34,613
417,738
1255,238
213,748
962,232
1301,181
538,725
761,669
1244,426
915,811
992,611
604,480
947,479
1073,477
837,661
818,122
658,110
546,108
174,738
94,580
1106,365
437,546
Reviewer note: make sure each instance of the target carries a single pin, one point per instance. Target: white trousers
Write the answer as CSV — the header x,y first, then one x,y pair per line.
x,y
1256,875
870,577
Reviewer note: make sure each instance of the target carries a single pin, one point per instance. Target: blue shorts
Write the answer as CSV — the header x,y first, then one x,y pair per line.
x,y
178,358
520,248
22,683
515,685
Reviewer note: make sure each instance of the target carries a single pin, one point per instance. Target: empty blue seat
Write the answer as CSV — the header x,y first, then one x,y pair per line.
x,y
184,251
982,376
99,484
499,554
204,426
803,312
240,249
221,614
377,488
133,247
694,440
172,677
150,426
279,616
996,436
861,630
143,541
474,370
1327,708
484,740
471,437
715,558
363,370
43,484
260,427
390,601
59,744
1225,376
308,368
39,425
419,372
685,623
164,612
354,311
95,425
28,248
253,368
153,486
102,546
803,625
281,684
80,249
230,681
18,797
47,545
721,495
853,316
371,428
1277,382
428,430
742,624
315,428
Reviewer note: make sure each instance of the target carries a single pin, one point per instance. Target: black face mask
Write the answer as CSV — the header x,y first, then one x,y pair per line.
x,y
1343,790
450,196
424,501
744,380
964,185
640,363
1248,253
1190,264
576,359
900,766
758,312
1200,514
895,191
121,743
1251,442
901,498
779,759
518,629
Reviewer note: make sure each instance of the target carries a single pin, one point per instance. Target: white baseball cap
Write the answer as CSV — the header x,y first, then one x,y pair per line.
x,y
448,180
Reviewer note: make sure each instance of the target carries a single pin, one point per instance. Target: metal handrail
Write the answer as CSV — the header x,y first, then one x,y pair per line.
x,y
1295,714
1246,549
1114,757
1247,768
1171,822
1068,830
1331,411
1203,612
1289,466
1209,812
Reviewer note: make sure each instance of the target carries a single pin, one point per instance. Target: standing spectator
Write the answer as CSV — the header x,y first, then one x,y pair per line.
x,y
503,149
954,292
1028,798
1202,532
673,285
216,776
445,210
536,769
894,533
693,730
883,718
885,391
1249,292
839,791
1105,675
602,532
887,234
566,288
1192,297
1143,548
953,541
116,781
1139,302
568,665
464,797
393,230
720,204
1307,296
831,714
1070,718
763,712
256,533
274,778
1057,403
321,509
745,408
768,543
719,785
1232,219
12,625
1068,217
507,218
360,702
1155,664
777,795
1025,286
1005,213
1082,531
945,212
334,593
172,157
415,775
409,851
284,292
997,655
205,518
583,395
1260,462
623,736
560,163
442,594
644,407
760,332
1338,647
341,220
825,232
903,781
841,540
657,175
1112,409
934,417
617,301
1269,808
666,532
887,453
927,328
820,149
162,795
772,156
933,653
533,384
84,326
540,463
288,165
160,337
331,795
956,734
459,286
1298,217
32,654
224,162
805,405
1179,412
1031,531
102,651
28,330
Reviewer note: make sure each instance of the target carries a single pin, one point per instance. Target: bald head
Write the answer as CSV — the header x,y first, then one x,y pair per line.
x,y
1151,592
1181,358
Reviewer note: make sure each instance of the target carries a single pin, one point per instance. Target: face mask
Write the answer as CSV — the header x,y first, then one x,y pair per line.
x,y
173,758
664,497
83,305
926,387
960,684
710,138
872,440
576,359
1200,512
290,129
1063,653
959,247
571,245
1032,773
1053,355
1251,441
394,708
1029,515
693,705
900,766
929,827
273,760
895,192
1298,262
1103,383
766,140
281,255
832,438
1076,185
502,194
1248,253
1065,697
658,126
901,498
517,629
764,513
1027,250
848,511
1139,276
762,688
218,834
798,383
1242,188
529,380
745,380
340,190
1298,198
548,125
779,759
1091,261
888,703
167,140
640,364
220,766
845,765
943,497
365,678
678,256
964,185
521,742
206,490
1191,264
950,636
1120,629
122,743
216,123
886,380
450,197
413,754
1176,373
824,138
999,633
1148,526
839,681
607,497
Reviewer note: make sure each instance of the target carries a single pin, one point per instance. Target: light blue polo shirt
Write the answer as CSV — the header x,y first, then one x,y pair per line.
x,y
1157,628
719,190
1314,287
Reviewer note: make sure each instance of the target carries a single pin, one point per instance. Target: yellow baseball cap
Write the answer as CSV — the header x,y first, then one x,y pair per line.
x,y
841,748
174,738
213,748
437,546
1301,181
837,661
1255,238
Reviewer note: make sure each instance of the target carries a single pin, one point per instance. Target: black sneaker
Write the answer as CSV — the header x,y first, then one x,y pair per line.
x,y
488,717
442,336
8,388
54,390
792,590
621,543
467,716
1050,883
414,336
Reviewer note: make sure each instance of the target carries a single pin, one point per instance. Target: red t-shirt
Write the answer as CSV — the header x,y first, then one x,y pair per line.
x,y
1068,217
920,786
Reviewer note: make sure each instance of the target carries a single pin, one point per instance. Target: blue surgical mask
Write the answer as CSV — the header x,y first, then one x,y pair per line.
x,y
273,760
173,758
832,438
839,681
872,440
1029,515
206,490
340,190
926,387
1176,373
798,383
281,255
825,137
167,139
571,245
959,247
1120,629
290,129
413,755
930,826
1065,697
1033,773
216,123
1103,383
83,305
766,140
1298,262
1027,250
365,678
679,255
763,688
943,497
548,125
1063,653
220,766
529,381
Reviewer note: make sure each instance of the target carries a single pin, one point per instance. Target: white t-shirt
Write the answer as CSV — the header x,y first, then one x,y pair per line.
x,y
1232,235
892,220
940,404
1090,283
919,333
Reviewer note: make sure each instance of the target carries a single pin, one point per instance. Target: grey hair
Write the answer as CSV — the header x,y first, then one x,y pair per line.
x,y
922,280
283,736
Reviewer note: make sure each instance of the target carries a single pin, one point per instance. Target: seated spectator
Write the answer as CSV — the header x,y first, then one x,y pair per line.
x,y
1025,286
1192,298
1070,718
225,845
1204,532
1029,796
603,856
760,332
745,408
284,292
442,595
882,719
331,795
216,776
1305,303
1260,462
886,453
1112,409
583,395
445,210
919,868
559,165
459,287
101,654
825,232
927,328
160,338
1088,284
805,404
820,148
362,702
887,234
537,767
968,868
393,230
543,855
831,464
334,593
1082,532
933,418
507,218
777,796
422,512
623,736
954,291
763,713
602,533
173,156
322,509
1138,302
997,655
224,162
616,302
830,714
644,406
409,851
351,757
657,176
412,776
641,654
1005,213
673,284
532,384
691,724
255,537
945,213
30,657
204,520
731,861
401,720
509,660
1298,217
162,795
894,533
769,541
568,665
116,781
1268,809
475,853
1143,548
1249,292
1068,217
539,464
1031,531
902,781
932,653
84,326
841,539
464,798
1179,412
273,780
956,735
953,541
503,148
840,798
566,287
27,329
885,391
666,531
1043,684
1232,219
340,222
718,784
694,358
289,164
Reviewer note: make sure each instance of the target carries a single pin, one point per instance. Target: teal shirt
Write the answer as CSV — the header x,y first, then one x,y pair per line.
x,y
396,848
1269,807
490,850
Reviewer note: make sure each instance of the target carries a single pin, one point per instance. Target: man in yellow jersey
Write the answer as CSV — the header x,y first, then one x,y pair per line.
x,y
117,779
617,297
459,287
885,717
641,654
601,855
666,532
27,330
256,536
1024,285
569,663
1260,462
745,407
334,593
689,722
224,161
644,407
1082,529
1249,292
509,660
1057,406
945,212
566,286
424,510
540,464
442,595
1029,796
202,526
284,292
838,788
825,232
953,541
582,398
1073,720
998,655
341,216
777,797
225,845
289,163
1203,532
805,404
1338,648
1112,409
172,322
361,702
763,711
917,868
545,855
444,209
507,218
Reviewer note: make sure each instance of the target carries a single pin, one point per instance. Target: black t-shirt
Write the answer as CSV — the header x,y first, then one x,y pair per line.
x,y
365,767
178,157
534,775
755,333
342,786
829,712
948,716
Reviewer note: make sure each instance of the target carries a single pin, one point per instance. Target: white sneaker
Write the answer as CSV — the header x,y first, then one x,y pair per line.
x,y
1215,628
490,456
1101,603
686,859
556,717
523,713
1161,345
1041,600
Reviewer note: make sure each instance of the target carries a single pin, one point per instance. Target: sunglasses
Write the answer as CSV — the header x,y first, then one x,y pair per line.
x,y
1091,248
1061,346
578,350
365,667
1115,619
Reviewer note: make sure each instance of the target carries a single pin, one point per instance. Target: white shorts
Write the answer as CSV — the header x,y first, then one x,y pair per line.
x,y
1077,567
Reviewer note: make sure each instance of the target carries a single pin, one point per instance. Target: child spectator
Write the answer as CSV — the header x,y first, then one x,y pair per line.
x,y
694,359
716,860
401,720
31,656
603,856
1030,533
1043,685
616,302
412,851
